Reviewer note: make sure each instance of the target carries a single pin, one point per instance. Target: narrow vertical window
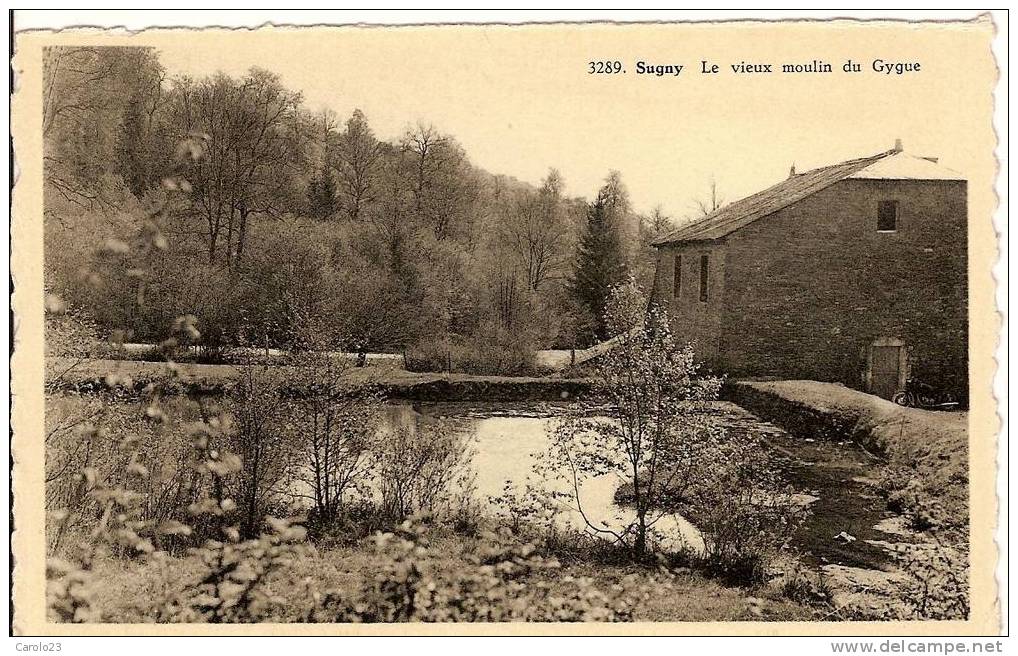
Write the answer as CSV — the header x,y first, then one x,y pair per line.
x,y
677,277
887,216
704,265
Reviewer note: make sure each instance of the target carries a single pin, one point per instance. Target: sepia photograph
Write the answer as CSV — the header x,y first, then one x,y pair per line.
x,y
678,325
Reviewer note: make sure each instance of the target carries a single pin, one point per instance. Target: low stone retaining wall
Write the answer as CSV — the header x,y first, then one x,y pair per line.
x,y
488,389
799,418
808,408
100,376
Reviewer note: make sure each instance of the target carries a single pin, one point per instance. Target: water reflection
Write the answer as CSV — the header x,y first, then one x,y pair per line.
x,y
507,441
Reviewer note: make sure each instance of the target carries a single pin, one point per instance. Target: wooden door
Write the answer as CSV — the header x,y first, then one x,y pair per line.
x,y
885,370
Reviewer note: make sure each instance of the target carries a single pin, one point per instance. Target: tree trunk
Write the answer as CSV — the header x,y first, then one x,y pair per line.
x,y
640,546
252,502
242,232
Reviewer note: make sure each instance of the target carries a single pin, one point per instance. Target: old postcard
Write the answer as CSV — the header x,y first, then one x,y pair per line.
x,y
635,328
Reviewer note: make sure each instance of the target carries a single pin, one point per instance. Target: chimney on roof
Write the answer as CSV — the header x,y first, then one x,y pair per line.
x,y
897,146
791,171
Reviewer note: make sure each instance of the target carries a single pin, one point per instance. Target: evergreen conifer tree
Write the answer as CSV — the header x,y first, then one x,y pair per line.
x,y
322,194
327,187
131,147
600,262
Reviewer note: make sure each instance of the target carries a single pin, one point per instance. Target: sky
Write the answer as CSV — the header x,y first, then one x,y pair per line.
x,y
520,100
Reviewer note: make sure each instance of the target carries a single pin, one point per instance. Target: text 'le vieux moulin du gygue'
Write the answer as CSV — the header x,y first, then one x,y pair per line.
x,y
707,67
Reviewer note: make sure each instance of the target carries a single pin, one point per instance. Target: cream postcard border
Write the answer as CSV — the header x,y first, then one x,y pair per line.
x,y
27,374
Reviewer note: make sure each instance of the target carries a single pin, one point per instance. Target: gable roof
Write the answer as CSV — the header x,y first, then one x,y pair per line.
x,y
890,165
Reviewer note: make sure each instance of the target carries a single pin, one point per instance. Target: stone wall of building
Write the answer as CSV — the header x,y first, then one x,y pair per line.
x,y
808,289
693,320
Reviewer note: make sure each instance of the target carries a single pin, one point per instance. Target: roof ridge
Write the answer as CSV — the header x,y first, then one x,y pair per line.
x,y
801,185
856,160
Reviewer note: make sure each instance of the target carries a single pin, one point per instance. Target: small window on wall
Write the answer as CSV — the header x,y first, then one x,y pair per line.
x,y
887,216
677,277
704,265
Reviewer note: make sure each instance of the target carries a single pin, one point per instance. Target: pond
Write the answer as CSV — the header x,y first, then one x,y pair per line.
x,y
507,441
835,479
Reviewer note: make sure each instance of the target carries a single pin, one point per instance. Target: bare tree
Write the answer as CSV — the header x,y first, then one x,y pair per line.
x,y
251,140
442,186
260,442
508,300
713,202
658,223
334,423
69,77
357,163
535,230
391,214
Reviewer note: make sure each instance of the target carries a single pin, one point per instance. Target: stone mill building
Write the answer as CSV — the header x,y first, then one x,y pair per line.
x,y
853,273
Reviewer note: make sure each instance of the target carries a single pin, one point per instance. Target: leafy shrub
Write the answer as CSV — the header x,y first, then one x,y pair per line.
x,y
109,442
420,468
233,584
257,437
466,516
937,585
745,515
496,355
130,525
70,589
333,426
70,333
492,586
529,511
928,484
905,495
807,587
354,522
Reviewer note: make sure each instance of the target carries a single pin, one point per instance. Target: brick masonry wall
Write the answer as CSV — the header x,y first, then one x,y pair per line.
x,y
809,288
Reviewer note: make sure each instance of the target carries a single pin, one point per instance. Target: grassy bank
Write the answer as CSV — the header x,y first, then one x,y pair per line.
x,y
138,590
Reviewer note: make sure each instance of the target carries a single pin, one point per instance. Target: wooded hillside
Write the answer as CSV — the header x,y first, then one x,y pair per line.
x,y
284,227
